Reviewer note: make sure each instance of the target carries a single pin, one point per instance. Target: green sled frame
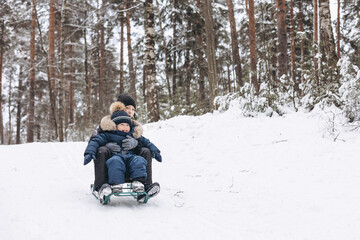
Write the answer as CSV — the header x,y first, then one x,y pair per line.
x,y
127,191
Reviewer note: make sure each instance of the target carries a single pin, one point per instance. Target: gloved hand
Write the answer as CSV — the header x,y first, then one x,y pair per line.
x,y
113,147
157,156
88,158
129,143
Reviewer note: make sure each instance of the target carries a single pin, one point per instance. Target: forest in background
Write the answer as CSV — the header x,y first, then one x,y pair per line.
x,y
63,62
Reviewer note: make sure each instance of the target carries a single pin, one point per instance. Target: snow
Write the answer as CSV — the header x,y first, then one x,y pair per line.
x,y
223,176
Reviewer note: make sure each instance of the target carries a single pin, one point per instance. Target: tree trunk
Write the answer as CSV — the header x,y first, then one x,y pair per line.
x,y
174,70
88,81
132,91
292,43
52,69
122,23
338,31
150,70
282,58
19,103
187,64
301,23
1,70
234,43
327,42
210,51
102,58
61,89
165,52
316,40
252,43
30,127
199,26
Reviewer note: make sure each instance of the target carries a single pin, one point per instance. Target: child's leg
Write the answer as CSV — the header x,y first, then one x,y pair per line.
x,y
101,171
116,170
145,153
137,167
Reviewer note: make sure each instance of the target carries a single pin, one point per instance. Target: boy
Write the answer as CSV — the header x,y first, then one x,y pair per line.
x,y
116,129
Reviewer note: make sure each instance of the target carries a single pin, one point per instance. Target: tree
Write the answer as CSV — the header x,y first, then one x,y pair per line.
x,y
282,58
52,67
327,42
234,43
316,40
2,27
132,90
102,57
150,70
210,51
252,42
292,43
30,128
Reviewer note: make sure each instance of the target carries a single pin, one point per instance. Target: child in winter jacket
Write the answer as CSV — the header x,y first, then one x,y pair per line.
x,y
125,164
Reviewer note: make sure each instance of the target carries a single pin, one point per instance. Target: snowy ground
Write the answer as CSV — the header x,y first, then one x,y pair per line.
x,y
223,176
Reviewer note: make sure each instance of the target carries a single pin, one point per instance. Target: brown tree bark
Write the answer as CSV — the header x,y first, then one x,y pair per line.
x,y
174,70
252,43
102,58
132,91
150,69
122,24
292,43
187,64
338,31
316,40
30,127
210,51
52,69
88,80
19,103
301,24
199,26
1,70
234,43
282,58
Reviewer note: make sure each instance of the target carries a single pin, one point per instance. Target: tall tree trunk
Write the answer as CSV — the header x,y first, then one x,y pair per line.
x,y
1,70
19,102
234,43
327,42
252,43
210,51
10,131
61,89
88,81
187,64
132,91
316,40
338,31
199,26
52,69
282,58
30,127
301,23
174,71
150,70
102,58
165,51
122,23
71,105
292,44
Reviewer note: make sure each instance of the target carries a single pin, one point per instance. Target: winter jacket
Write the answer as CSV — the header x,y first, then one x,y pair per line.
x,y
109,133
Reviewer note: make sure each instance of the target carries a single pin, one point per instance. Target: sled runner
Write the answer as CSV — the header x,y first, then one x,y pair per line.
x,y
126,191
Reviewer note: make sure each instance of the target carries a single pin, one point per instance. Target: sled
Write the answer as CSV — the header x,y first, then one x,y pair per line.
x,y
126,191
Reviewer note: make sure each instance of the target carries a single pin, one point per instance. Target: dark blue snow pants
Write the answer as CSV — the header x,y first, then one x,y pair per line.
x,y
121,166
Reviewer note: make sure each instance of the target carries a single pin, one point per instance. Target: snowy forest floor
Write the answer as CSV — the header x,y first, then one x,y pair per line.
x,y
223,176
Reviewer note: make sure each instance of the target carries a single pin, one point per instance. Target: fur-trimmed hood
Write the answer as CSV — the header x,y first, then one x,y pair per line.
x,y
107,124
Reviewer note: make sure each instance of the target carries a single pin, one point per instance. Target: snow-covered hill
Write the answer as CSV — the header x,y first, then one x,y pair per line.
x,y
223,177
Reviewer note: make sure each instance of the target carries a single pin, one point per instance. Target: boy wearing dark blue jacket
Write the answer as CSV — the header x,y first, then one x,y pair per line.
x,y
125,164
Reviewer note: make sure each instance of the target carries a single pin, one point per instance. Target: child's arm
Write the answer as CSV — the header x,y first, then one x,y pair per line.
x,y
155,152
92,147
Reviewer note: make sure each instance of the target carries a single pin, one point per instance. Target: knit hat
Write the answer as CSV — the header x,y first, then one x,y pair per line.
x,y
120,117
126,100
